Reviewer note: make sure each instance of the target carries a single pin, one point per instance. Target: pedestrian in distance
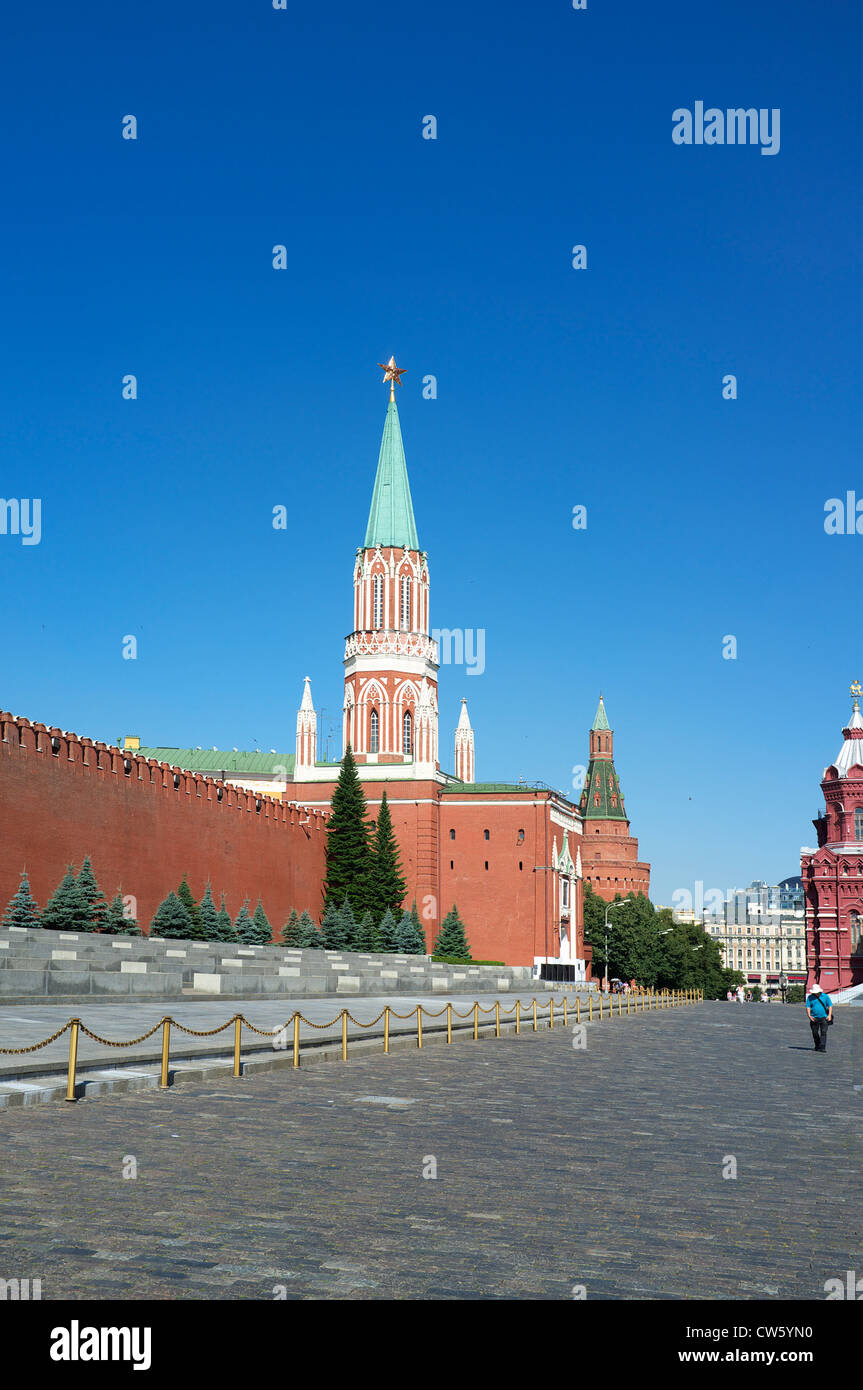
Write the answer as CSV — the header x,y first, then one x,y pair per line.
x,y
819,1009
740,994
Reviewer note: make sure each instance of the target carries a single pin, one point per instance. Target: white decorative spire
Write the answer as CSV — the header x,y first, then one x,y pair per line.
x,y
464,747
307,732
851,752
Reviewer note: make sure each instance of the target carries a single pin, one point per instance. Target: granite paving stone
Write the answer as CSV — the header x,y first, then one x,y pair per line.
x,y
308,1184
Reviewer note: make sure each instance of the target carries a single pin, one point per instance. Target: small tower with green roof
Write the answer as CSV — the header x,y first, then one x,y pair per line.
x,y
602,798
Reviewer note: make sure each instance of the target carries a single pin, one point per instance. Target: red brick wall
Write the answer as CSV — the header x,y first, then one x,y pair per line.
x,y
142,832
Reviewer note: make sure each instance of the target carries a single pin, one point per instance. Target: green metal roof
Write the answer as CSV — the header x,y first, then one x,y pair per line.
x,y
391,518
601,720
459,787
602,798
216,760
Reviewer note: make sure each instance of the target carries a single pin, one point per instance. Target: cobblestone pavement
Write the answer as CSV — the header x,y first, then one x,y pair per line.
x,y
556,1167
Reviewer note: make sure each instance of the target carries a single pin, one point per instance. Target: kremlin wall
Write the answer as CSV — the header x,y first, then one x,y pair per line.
x,y
145,824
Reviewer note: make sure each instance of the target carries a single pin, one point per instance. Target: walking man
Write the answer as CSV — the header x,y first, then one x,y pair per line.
x,y
819,1008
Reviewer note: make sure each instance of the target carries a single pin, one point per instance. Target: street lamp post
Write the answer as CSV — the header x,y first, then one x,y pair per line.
x,y
610,908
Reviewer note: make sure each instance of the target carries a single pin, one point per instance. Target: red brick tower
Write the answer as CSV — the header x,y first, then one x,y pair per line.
x,y
833,874
391,665
609,853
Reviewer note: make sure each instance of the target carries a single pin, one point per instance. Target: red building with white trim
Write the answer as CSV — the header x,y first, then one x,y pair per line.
x,y
833,873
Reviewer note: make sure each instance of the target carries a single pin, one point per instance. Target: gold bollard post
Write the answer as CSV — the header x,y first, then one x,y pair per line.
x,y
497,1018
628,1004
419,1025
386,1028
534,1015
296,1040
600,1007
590,1008
565,1019
476,1021
449,1023
517,1017
551,1013
166,1043
238,1025
578,1008
73,1059
344,1035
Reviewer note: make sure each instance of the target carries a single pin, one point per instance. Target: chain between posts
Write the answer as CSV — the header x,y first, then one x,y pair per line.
x,y
668,999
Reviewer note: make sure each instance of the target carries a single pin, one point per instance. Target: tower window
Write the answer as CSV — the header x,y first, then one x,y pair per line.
x,y
451,864
521,837
406,602
520,865
486,863
485,834
858,823
373,741
406,733
452,834
378,593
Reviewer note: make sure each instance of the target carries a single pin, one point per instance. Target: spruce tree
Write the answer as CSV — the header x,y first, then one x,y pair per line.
x,y
242,923
387,932
367,934
351,926
333,935
410,938
308,936
23,910
452,938
261,931
349,861
184,893
405,936
171,919
387,886
92,895
226,927
115,922
208,917
291,929
67,909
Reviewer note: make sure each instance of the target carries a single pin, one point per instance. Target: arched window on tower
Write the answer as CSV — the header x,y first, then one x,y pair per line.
x,y
855,922
858,823
407,731
373,732
405,603
378,597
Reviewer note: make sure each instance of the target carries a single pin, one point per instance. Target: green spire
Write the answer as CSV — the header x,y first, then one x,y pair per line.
x,y
601,720
391,519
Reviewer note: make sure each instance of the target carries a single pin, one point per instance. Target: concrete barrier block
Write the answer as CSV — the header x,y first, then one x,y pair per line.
x,y
122,945
208,984
177,953
289,970
133,967
348,984
64,955
109,982
68,982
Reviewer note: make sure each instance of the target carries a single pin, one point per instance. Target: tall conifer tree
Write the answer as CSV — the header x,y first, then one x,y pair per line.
x,y
387,883
348,855
208,916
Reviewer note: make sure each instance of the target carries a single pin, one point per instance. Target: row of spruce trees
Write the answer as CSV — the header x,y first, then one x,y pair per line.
x,y
363,895
77,904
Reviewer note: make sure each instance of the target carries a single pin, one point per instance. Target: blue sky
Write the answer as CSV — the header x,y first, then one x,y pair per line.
x,y
556,387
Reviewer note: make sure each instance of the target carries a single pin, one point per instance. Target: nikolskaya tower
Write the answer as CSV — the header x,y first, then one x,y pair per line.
x,y
390,711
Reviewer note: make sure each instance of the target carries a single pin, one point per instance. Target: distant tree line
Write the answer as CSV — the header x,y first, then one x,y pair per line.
x,y
645,944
